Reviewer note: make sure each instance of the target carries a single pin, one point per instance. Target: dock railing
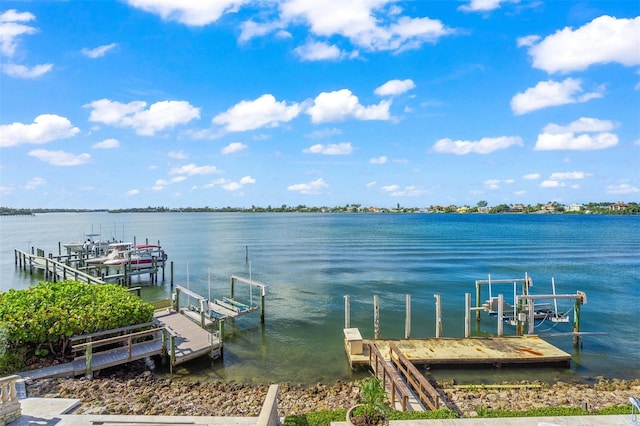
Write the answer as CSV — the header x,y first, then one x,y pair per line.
x,y
117,341
52,268
383,370
9,402
425,391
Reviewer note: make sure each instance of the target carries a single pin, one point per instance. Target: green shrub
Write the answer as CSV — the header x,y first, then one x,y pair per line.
x,y
44,317
553,412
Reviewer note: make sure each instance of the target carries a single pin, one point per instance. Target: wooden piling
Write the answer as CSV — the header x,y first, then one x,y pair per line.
x,y
438,315
467,314
407,321
376,316
576,322
347,312
500,315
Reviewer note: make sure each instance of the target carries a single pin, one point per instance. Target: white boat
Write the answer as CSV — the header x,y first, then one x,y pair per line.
x,y
114,252
139,256
91,243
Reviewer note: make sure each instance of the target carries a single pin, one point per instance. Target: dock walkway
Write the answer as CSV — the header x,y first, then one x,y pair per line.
x,y
172,334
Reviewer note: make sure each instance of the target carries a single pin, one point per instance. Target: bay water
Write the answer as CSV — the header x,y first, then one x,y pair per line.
x,y
310,261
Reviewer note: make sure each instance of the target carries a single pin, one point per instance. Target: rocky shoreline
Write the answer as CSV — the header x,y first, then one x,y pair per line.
x,y
141,393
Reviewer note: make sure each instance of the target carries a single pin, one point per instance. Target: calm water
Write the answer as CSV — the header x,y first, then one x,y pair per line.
x,y
311,261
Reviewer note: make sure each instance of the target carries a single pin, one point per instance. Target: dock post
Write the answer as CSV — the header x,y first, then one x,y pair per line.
x,y
171,272
576,322
438,316
172,353
232,285
176,302
376,317
347,312
500,315
89,360
467,314
532,318
407,321
263,294
478,296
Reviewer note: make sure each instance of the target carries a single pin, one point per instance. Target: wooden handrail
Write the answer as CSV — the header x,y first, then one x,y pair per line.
x,y
111,331
62,266
396,382
416,380
109,340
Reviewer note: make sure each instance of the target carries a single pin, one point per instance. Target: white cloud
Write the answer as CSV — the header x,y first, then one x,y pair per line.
x,y
250,29
556,179
34,183
11,29
344,148
568,175
556,137
107,144
232,185
159,116
406,191
622,189
492,183
551,93
395,87
379,160
194,13
551,184
531,176
314,187
192,169
132,192
604,40
319,51
60,158
45,128
323,133
160,184
98,51
483,146
233,148
250,115
22,71
177,155
367,24
342,104
483,5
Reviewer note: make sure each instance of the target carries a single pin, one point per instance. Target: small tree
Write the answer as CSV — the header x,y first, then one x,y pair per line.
x,y
372,410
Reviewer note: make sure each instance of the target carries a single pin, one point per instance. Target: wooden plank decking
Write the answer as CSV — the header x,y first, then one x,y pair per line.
x,y
191,340
471,351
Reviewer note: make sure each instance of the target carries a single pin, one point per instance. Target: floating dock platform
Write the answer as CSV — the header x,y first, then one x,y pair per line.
x,y
497,351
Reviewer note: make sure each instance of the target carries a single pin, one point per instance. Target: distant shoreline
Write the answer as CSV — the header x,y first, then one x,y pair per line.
x,y
610,209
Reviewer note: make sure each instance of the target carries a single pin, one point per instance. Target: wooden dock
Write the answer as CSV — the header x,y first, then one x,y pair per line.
x,y
73,266
171,334
191,340
468,351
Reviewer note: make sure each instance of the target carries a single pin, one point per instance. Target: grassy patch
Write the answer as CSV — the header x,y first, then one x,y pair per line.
x,y
324,418
554,411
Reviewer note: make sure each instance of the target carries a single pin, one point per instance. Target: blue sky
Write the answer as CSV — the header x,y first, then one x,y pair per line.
x,y
135,103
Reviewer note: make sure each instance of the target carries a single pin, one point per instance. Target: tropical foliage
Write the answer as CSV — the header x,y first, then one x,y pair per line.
x,y
40,320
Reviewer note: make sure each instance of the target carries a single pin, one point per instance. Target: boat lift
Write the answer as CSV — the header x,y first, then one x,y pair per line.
x,y
525,310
